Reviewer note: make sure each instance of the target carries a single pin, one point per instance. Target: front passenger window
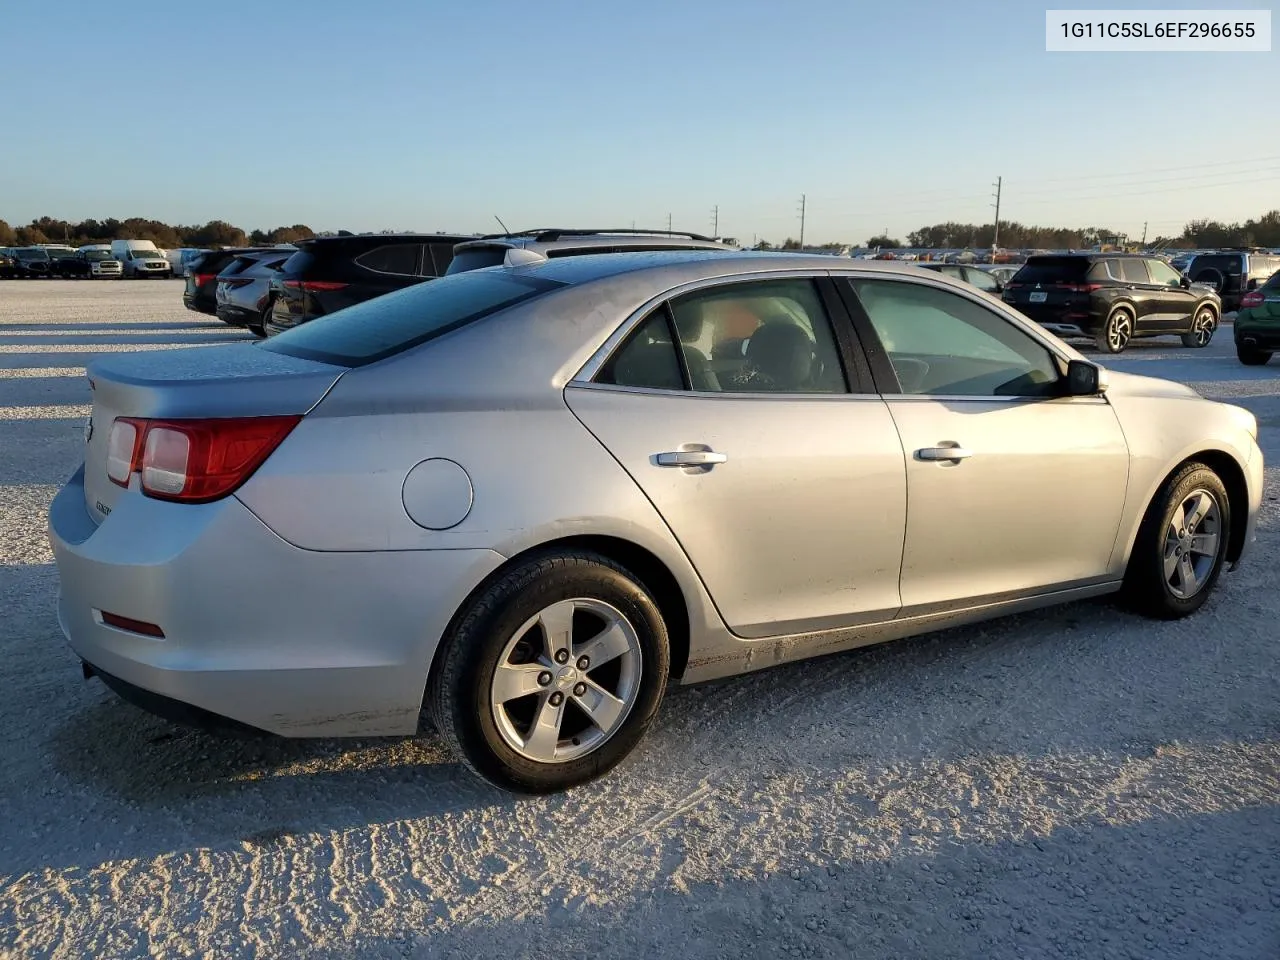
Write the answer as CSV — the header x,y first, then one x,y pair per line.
x,y
944,344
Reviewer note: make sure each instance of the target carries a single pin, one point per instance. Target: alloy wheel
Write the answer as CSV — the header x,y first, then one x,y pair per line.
x,y
1119,330
1191,544
566,680
1203,326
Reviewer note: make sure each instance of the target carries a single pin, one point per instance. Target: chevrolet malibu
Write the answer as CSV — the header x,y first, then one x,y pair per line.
x,y
525,498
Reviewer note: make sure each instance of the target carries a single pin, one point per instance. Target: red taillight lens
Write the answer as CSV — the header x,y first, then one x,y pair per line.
x,y
1081,287
203,278
195,461
314,286
1253,298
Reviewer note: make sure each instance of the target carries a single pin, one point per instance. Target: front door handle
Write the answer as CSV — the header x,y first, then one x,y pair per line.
x,y
956,453
690,458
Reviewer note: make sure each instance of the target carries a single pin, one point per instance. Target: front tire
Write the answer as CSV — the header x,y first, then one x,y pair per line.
x,y
1116,332
1181,546
552,673
1202,329
1252,356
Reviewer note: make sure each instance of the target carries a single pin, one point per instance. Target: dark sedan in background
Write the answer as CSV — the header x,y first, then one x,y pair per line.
x,y
243,292
329,273
1112,298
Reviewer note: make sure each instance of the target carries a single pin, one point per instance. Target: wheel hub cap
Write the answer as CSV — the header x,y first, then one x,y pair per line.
x,y
566,680
1191,544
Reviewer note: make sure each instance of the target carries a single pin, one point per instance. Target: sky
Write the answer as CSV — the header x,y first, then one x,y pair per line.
x,y
442,116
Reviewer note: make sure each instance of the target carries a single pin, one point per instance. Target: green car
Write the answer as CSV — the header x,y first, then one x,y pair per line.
x,y
1257,326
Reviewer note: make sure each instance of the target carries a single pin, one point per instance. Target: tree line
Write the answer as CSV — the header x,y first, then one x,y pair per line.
x,y
215,233
1263,231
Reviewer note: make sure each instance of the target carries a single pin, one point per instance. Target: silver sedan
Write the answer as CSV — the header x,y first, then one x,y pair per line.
x,y
526,498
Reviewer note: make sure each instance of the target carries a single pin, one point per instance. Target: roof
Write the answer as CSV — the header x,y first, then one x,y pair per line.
x,y
388,238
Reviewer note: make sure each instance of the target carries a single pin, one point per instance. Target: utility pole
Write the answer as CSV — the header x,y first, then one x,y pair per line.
x,y
715,221
668,223
802,213
1144,233
995,240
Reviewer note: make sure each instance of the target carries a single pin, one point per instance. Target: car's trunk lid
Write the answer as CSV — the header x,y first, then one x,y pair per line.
x,y
236,380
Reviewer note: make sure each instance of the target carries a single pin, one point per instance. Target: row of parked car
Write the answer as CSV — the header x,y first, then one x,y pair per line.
x,y
1109,298
120,259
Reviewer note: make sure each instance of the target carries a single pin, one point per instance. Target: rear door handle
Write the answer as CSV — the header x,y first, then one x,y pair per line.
x,y
690,458
956,453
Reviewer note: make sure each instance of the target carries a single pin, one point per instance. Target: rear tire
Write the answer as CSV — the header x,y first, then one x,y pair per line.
x,y
258,329
501,634
1252,356
1116,332
1181,546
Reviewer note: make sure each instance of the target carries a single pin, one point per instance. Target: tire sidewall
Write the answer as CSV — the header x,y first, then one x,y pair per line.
x,y
1151,569
476,646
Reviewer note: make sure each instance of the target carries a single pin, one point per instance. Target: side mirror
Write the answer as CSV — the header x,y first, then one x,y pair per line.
x,y
1085,379
1184,282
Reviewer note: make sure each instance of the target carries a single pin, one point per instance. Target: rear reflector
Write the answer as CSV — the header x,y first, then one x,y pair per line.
x,y
314,286
133,626
195,461
1253,298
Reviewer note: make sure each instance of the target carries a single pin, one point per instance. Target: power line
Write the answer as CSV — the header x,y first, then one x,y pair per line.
x,y
1133,173
1071,198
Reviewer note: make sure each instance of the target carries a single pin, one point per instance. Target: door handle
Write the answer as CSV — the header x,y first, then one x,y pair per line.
x,y
690,458
955,454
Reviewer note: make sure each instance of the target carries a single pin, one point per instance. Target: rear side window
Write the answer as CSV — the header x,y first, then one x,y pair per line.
x,y
397,258
235,266
1133,270
436,258
1052,270
391,324
298,263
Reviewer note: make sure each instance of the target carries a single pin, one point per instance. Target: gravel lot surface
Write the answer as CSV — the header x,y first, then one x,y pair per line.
x,y
1073,783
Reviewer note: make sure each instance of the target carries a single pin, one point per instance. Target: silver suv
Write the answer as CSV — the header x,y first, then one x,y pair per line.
x,y
531,245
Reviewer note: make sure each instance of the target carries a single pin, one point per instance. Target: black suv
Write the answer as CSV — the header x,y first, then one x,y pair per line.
x,y
201,290
1112,298
329,273
1233,273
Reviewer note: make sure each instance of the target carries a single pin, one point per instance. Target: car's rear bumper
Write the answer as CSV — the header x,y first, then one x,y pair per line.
x,y
1065,322
289,641
200,304
1260,336
236,316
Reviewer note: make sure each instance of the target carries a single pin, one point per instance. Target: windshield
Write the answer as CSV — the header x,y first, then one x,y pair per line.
x,y
393,323
98,255
30,253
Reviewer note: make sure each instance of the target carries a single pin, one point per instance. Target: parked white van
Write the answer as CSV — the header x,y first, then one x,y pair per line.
x,y
141,258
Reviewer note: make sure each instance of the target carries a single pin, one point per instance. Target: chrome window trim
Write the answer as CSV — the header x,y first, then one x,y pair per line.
x,y
721,394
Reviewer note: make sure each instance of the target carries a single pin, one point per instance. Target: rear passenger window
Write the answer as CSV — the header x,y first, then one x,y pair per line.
x,y
762,337
1133,270
398,258
647,359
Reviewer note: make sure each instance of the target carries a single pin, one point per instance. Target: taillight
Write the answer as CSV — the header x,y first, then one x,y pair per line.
x,y
123,447
193,461
1081,287
1253,298
314,286
203,278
